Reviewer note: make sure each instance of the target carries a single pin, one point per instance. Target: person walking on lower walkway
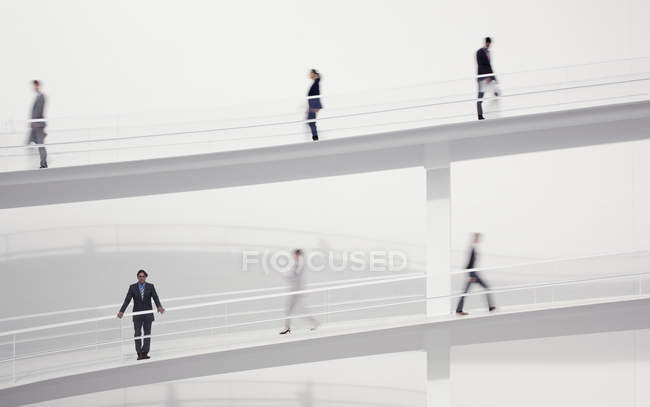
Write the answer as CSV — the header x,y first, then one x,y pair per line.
x,y
474,277
295,302
484,65
142,293
313,99
37,125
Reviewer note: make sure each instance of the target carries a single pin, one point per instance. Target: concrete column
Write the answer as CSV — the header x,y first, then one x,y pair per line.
x,y
438,244
438,368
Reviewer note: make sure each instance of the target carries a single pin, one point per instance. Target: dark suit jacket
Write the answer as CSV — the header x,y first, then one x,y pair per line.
x,y
314,90
139,303
38,109
483,63
471,262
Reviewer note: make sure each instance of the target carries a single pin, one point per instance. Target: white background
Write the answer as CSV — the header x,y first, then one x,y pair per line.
x,y
107,57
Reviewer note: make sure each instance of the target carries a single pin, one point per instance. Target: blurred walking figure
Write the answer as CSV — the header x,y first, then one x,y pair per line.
x,y
296,283
141,293
474,277
484,64
37,133
314,103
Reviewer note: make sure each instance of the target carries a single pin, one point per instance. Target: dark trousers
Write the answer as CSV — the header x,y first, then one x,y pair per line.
x,y
312,125
37,136
140,322
479,102
477,280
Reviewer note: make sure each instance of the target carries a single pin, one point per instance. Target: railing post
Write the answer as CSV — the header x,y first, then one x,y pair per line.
x,y
327,307
226,318
121,335
13,360
437,162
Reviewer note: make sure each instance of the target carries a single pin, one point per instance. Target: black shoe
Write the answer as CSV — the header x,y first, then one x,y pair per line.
x,y
315,138
492,309
44,166
286,331
139,356
481,118
145,356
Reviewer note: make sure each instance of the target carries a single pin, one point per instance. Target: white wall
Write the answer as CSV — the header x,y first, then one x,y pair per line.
x,y
557,203
106,57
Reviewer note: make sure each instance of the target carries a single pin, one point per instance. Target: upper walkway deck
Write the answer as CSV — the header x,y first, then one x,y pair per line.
x,y
381,151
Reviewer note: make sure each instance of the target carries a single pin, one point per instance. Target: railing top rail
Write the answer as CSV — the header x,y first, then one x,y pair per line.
x,y
306,291
339,116
327,283
201,296
219,302
442,81
550,261
210,317
115,121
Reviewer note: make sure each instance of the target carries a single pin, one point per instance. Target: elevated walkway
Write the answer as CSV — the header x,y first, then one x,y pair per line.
x,y
390,150
257,350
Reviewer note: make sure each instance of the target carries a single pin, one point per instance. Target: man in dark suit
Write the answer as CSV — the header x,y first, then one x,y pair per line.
x,y
474,277
484,64
142,293
37,133
313,100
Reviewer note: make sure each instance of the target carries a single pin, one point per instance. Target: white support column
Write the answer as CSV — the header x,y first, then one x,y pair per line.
x,y
438,369
438,244
436,343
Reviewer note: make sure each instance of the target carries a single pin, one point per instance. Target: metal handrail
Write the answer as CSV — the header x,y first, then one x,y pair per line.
x,y
427,83
347,115
203,318
328,312
322,289
458,272
275,136
560,260
198,296
335,108
211,303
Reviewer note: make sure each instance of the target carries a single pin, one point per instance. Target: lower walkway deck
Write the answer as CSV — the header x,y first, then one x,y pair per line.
x,y
82,372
